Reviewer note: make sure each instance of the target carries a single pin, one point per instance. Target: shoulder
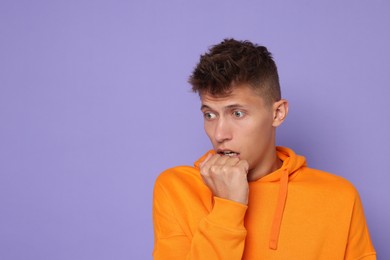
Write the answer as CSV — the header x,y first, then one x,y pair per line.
x,y
179,178
328,182
180,187
178,174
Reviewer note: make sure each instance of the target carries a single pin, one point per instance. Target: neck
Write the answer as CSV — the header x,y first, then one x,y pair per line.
x,y
269,164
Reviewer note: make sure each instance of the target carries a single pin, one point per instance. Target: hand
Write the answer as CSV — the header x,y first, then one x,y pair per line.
x,y
226,177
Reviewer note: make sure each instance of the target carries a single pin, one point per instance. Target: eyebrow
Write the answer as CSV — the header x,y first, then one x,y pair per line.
x,y
232,106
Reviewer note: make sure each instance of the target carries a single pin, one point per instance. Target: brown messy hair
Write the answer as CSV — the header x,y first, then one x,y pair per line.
x,y
231,63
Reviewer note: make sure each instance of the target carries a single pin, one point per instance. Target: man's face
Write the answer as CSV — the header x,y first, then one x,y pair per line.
x,y
240,124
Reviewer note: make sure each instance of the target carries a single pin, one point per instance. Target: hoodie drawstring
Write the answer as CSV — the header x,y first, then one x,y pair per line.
x,y
275,230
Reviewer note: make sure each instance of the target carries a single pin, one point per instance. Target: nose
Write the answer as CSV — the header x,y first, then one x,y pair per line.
x,y
222,131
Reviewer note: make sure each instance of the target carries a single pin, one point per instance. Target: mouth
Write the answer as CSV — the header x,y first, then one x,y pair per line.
x,y
228,153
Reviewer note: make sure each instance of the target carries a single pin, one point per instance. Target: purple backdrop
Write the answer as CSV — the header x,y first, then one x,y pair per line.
x,y
94,104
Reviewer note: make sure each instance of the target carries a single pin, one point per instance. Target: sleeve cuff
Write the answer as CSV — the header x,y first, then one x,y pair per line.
x,y
228,213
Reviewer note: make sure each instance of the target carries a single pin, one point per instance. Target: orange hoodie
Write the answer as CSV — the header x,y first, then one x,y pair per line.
x,y
293,213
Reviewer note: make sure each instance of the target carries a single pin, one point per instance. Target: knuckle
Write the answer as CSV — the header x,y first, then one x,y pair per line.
x,y
236,169
204,172
225,169
214,168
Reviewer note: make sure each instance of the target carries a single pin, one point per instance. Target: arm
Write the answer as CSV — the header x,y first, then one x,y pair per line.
x,y
359,243
218,233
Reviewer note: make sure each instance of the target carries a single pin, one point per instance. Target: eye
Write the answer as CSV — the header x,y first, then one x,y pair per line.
x,y
238,114
209,115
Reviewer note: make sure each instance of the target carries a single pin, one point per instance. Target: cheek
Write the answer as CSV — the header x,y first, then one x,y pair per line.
x,y
208,129
254,127
257,134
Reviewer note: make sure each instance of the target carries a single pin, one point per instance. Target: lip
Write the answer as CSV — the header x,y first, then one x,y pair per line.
x,y
222,151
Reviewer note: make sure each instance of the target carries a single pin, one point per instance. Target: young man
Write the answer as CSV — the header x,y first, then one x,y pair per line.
x,y
247,198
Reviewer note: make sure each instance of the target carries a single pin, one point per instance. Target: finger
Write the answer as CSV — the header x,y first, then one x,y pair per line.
x,y
231,161
243,164
213,160
204,168
221,160
205,160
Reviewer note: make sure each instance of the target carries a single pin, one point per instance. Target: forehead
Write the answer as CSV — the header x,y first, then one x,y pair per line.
x,y
242,95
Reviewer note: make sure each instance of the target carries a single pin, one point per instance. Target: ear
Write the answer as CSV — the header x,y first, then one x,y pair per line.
x,y
280,111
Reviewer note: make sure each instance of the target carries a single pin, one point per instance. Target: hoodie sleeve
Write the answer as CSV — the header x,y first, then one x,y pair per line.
x,y
219,235
359,244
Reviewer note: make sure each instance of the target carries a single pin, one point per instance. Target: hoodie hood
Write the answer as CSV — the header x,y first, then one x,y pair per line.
x,y
291,164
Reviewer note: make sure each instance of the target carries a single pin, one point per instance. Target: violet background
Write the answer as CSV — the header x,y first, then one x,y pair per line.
x,y
94,104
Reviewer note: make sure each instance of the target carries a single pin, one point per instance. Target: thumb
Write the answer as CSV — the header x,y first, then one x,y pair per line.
x,y
244,165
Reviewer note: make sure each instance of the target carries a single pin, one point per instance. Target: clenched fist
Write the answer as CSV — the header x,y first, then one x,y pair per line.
x,y
226,177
